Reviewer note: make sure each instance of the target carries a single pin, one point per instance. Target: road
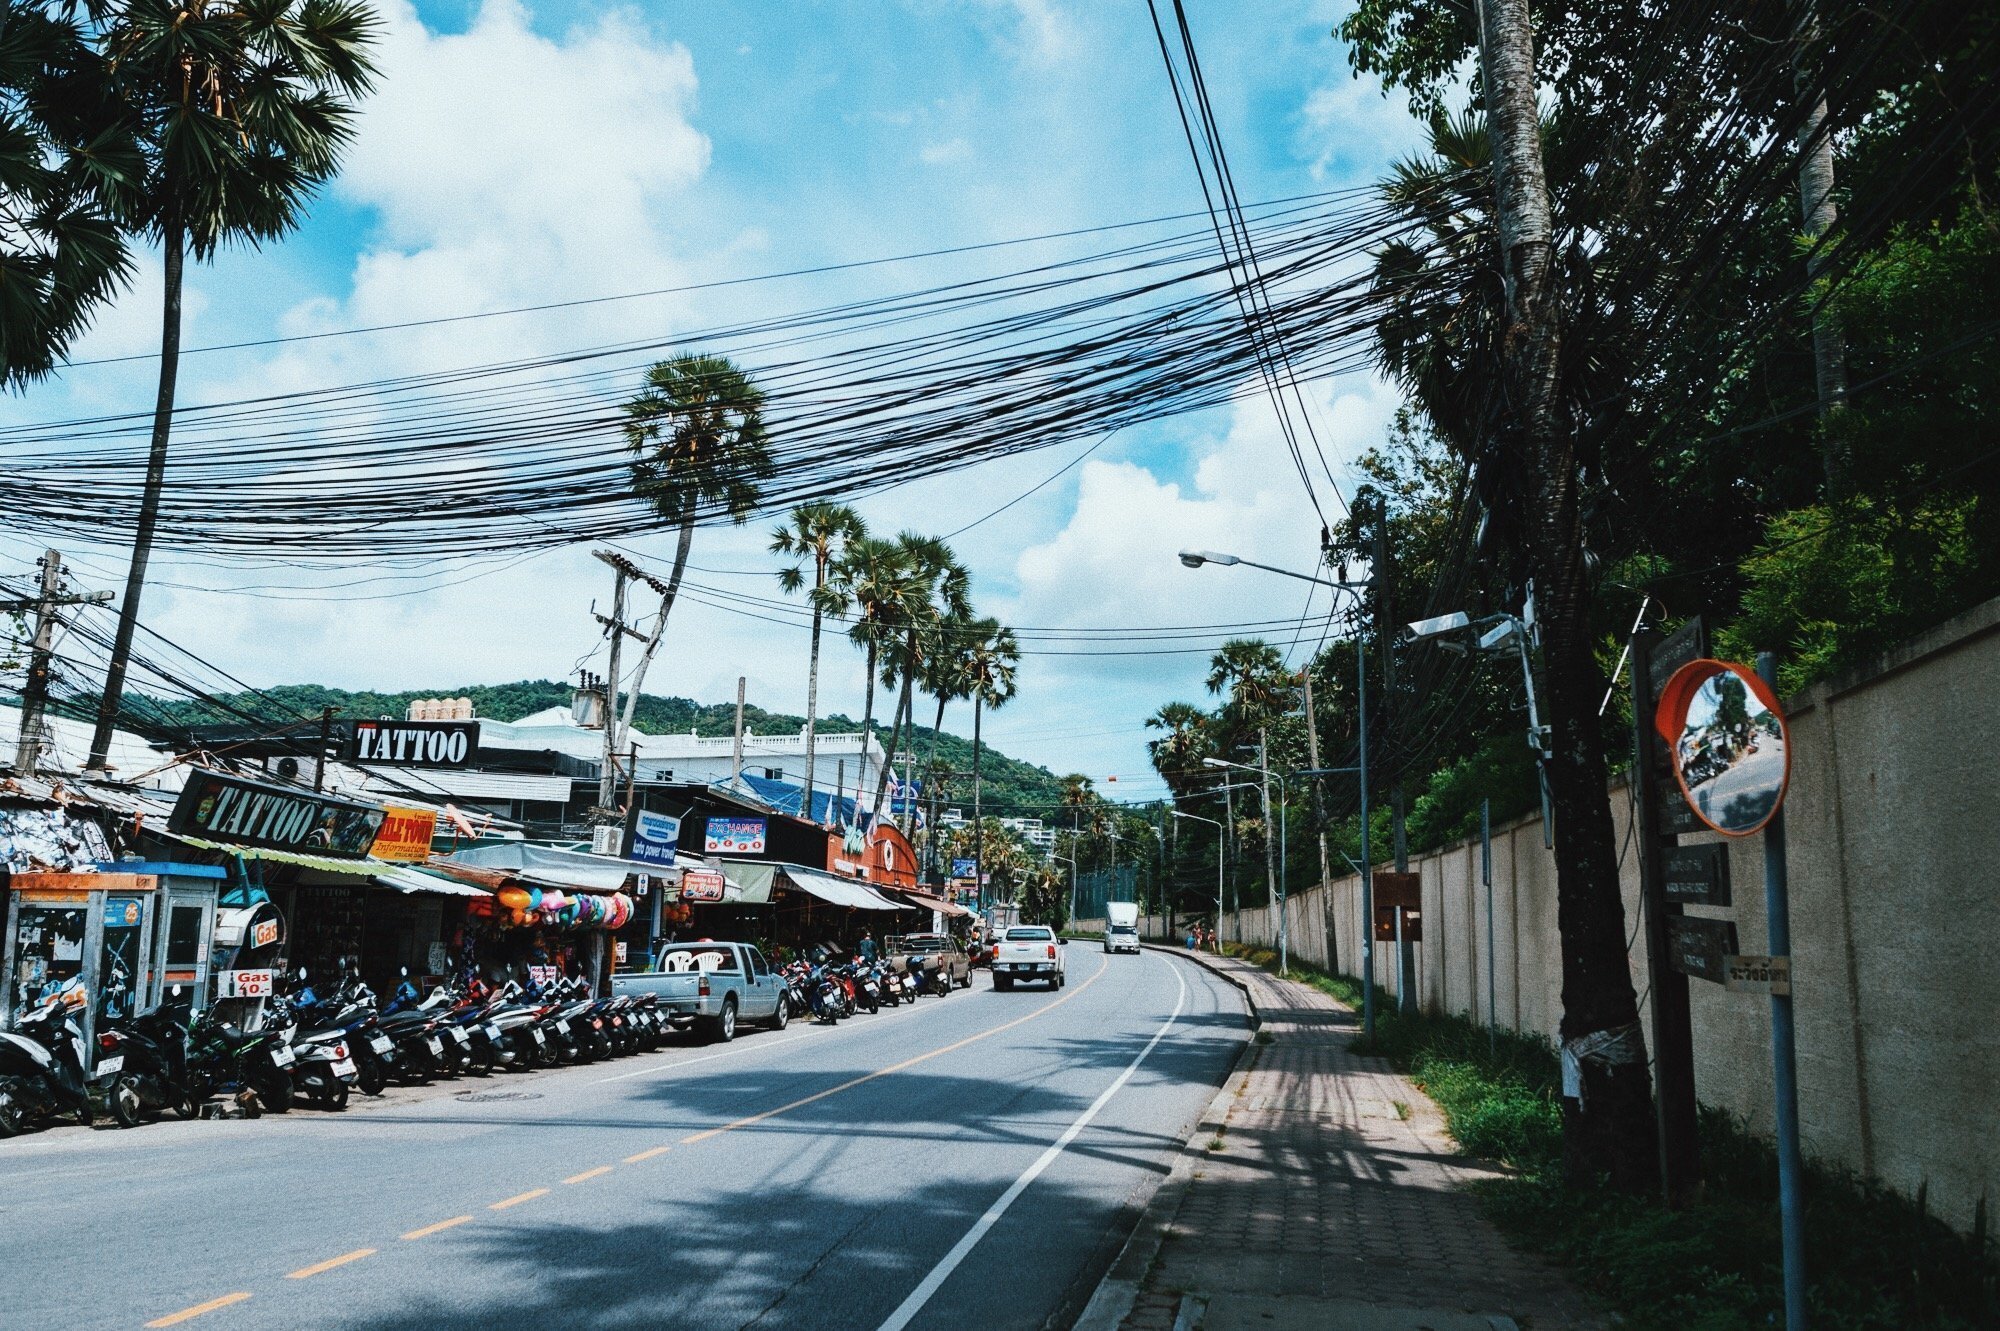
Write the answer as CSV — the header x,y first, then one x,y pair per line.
x,y
931,1166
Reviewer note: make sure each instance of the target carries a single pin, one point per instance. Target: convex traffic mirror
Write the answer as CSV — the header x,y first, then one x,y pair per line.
x,y
1727,743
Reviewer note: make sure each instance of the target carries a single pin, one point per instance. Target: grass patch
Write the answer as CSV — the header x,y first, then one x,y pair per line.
x,y
1876,1261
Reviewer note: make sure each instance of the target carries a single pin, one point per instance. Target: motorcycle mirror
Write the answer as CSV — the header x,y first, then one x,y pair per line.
x,y
174,992
302,972
406,972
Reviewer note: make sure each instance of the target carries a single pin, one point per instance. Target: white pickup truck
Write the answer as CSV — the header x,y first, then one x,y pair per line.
x,y
711,987
1028,952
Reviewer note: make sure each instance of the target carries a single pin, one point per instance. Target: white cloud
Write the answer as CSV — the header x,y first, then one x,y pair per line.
x,y
948,153
1351,131
1037,31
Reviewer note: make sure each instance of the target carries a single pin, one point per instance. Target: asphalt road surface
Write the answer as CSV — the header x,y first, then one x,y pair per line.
x,y
970,1162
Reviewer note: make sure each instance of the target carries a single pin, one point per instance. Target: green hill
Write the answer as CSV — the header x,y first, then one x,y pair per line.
x,y
1007,784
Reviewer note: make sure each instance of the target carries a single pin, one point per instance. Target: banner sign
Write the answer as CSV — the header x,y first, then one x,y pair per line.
x,y
248,813
405,836
414,743
655,838
964,868
702,885
243,984
735,836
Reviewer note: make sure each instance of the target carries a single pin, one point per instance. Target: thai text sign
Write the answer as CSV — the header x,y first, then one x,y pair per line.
x,y
1699,947
735,836
247,813
405,836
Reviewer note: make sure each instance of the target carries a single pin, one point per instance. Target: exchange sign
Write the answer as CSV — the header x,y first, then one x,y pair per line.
x,y
735,836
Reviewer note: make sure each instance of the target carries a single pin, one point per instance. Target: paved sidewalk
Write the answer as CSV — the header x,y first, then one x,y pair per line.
x,y
1332,1197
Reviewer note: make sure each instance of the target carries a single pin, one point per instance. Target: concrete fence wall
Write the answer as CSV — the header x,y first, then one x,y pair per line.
x,y
1893,829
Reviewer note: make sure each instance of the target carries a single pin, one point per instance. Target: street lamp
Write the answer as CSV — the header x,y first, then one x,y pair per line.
x,y
1264,769
1195,559
1218,870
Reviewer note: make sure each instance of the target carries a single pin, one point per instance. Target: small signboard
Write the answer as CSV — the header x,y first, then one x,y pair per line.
x,y
735,836
1687,643
1398,889
243,984
702,885
1677,817
406,835
1700,947
964,868
655,838
1757,975
1696,875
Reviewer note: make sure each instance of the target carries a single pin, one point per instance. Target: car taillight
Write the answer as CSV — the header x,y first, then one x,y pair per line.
x,y
701,987
1052,949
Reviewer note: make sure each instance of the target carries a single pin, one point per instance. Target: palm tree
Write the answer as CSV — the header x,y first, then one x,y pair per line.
x,y
1178,753
240,111
939,591
990,664
868,580
63,152
696,431
1252,674
818,533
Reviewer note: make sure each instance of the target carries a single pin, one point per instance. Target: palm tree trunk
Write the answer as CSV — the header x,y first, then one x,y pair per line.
x,y
174,247
1608,1125
867,732
978,827
896,728
812,691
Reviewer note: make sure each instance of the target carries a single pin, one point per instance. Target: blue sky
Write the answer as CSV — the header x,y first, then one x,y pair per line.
x,y
521,152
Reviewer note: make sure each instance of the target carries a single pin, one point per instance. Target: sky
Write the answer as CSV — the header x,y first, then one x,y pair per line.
x,y
519,153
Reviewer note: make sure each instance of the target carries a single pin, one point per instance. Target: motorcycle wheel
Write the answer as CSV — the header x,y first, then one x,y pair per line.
x,y
334,1099
273,1087
370,1077
874,1006
12,1116
186,1107
126,1106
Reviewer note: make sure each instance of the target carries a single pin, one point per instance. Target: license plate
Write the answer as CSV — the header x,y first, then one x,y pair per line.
x,y
283,1056
458,1033
436,1045
540,1039
343,1067
107,1066
492,1032
381,1044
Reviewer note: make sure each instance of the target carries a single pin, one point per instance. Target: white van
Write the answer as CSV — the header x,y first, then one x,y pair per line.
x,y
1121,926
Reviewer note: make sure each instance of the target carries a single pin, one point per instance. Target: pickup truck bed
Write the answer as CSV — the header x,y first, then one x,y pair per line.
x,y
1028,952
711,987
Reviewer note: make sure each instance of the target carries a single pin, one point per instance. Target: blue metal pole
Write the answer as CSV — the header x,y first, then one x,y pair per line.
x,y
1784,1056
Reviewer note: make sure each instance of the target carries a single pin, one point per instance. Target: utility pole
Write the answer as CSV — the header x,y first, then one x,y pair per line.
x,y
1820,214
1277,892
607,776
736,749
35,691
1319,816
617,724
325,741
1383,575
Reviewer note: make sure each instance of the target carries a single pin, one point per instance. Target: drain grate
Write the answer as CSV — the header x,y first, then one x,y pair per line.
x,y
488,1097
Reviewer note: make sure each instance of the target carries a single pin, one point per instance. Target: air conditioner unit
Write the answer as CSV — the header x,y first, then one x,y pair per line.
x,y
607,839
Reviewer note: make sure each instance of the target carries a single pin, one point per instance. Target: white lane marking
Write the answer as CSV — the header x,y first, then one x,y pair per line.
x,y
910,1307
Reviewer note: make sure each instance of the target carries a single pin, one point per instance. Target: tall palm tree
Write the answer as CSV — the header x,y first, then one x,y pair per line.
x,y
939,591
696,431
815,533
990,665
869,581
64,150
1177,754
240,111
1252,673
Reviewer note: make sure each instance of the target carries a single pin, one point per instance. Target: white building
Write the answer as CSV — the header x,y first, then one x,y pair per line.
x,y
1040,837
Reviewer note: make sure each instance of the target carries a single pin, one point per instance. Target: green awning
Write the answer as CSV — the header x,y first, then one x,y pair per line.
x,y
363,868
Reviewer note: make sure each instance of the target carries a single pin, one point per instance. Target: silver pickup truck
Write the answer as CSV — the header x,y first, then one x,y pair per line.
x,y
712,987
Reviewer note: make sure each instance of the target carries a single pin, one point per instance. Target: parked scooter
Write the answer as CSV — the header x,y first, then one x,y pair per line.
x,y
142,1064
41,1063
255,1065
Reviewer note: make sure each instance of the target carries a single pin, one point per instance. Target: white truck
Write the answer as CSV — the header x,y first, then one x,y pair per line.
x,y
1121,926
1028,952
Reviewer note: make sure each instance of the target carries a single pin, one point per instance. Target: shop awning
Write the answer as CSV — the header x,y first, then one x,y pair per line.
x,y
925,901
550,866
749,881
408,881
363,868
835,890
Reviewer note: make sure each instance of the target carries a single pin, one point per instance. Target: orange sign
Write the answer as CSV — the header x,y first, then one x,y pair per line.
x,y
405,836
36,881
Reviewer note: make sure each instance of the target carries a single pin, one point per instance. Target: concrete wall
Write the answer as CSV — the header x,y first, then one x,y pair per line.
x,y
1893,829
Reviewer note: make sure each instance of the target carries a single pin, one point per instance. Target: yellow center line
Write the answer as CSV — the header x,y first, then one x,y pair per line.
x,y
893,1067
429,1230
647,1155
330,1263
175,1319
589,1174
516,1200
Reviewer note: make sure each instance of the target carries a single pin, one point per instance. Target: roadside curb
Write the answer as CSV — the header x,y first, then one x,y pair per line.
x,y
1116,1294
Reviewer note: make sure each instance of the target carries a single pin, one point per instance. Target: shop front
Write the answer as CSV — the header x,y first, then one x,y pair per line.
x,y
552,912
87,926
